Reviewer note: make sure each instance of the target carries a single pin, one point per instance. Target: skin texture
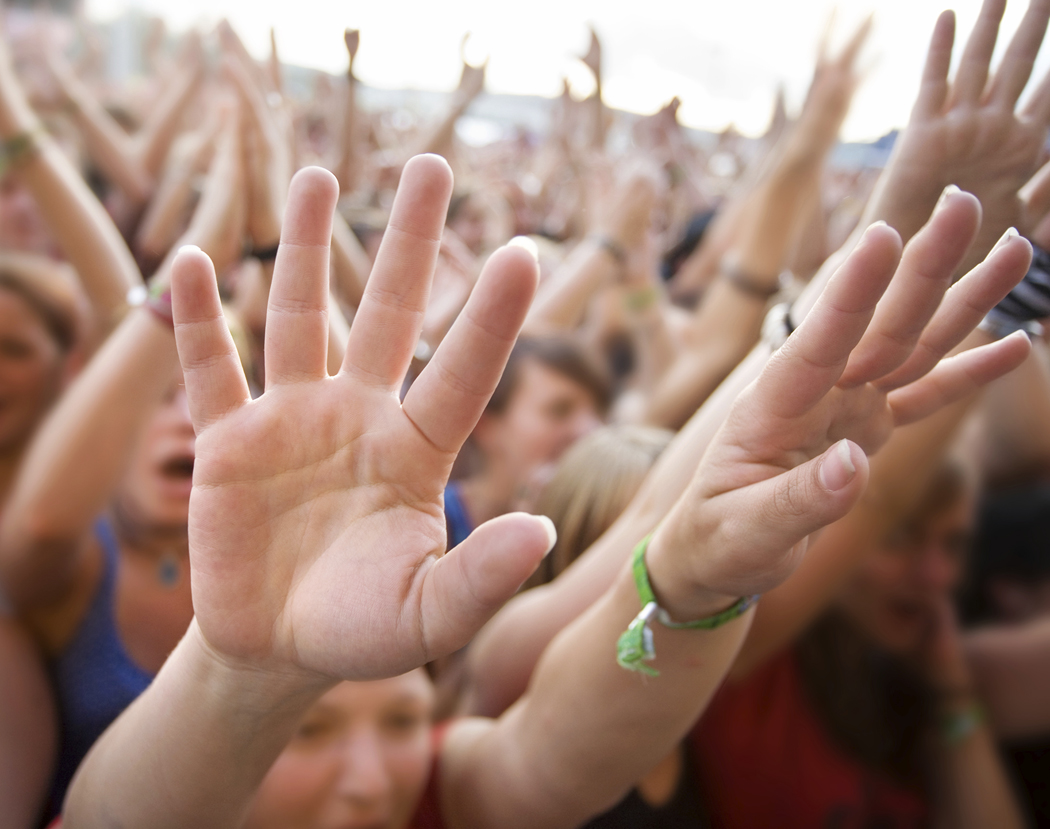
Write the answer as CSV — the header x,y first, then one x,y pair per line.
x,y
31,370
360,758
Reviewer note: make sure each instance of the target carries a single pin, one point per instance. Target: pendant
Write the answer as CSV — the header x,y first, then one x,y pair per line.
x,y
169,569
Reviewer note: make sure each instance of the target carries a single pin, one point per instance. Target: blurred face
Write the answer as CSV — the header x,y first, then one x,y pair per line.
x,y
360,759
469,225
156,488
547,413
31,370
893,595
21,225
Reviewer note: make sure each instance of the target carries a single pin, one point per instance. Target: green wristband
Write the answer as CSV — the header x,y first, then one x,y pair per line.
x,y
635,646
958,725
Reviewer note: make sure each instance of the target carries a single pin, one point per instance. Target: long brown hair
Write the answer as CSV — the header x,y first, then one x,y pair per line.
x,y
593,484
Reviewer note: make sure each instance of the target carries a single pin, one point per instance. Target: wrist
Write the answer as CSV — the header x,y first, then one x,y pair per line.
x,y
678,592
258,692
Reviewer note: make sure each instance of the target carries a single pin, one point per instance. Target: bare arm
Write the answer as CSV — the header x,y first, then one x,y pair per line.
x,y
77,457
1011,672
81,225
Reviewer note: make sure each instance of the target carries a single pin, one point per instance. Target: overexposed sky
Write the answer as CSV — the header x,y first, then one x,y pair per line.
x,y
723,59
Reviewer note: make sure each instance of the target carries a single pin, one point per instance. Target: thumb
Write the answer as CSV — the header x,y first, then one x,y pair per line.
x,y
472,581
810,496
764,525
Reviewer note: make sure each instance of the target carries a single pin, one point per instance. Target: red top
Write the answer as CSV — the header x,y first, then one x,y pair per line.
x,y
428,813
764,759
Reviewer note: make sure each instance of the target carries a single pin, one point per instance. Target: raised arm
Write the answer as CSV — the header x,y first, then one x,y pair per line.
x,y
726,324
87,235
76,458
346,165
265,643
503,656
109,146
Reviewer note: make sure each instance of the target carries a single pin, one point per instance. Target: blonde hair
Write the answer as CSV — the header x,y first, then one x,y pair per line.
x,y
593,484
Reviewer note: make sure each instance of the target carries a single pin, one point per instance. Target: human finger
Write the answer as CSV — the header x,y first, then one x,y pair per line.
x,y
964,306
450,394
1036,196
924,274
1038,107
390,317
856,43
215,383
806,367
957,377
1016,67
972,75
933,88
296,344
773,517
465,587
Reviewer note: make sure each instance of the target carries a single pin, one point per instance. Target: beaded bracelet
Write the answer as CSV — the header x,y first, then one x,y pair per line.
x,y
635,646
958,725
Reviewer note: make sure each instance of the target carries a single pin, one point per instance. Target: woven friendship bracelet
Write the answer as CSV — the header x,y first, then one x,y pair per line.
x,y
635,646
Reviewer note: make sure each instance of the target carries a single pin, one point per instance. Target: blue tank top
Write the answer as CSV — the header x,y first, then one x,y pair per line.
x,y
95,679
457,522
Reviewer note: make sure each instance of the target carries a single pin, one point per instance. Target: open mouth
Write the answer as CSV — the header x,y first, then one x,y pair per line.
x,y
178,468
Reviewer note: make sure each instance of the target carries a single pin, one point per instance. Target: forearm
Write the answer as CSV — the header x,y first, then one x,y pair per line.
x,y
167,212
156,136
1017,421
971,790
729,320
109,146
1011,671
79,454
587,730
563,299
87,235
346,165
505,652
350,263
192,750
439,140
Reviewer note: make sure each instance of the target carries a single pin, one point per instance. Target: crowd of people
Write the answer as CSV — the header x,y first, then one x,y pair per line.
x,y
355,476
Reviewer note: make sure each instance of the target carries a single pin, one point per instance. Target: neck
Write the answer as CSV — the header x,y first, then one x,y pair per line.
x,y
148,539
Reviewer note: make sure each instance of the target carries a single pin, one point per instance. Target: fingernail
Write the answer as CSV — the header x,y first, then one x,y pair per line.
x,y
1011,233
873,225
838,469
552,534
948,191
189,249
525,243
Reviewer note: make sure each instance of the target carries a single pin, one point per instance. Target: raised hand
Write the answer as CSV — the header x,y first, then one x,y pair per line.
x,y
317,531
268,155
352,39
835,79
969,132
867,358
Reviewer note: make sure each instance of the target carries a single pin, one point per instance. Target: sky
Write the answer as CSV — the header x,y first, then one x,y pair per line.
x,y
723,59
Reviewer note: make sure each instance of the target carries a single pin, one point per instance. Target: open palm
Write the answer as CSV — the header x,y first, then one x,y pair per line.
x,y
317,532
867,358
969,131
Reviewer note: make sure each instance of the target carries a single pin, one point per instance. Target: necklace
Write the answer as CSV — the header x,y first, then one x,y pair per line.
x,y
169,569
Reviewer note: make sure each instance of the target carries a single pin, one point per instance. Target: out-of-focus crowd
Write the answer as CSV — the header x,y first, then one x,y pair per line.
x,y
354,475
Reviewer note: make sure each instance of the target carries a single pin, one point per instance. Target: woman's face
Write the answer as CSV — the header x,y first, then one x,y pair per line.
x,y
32,370
360,760
156,488
22,226
546,414
893,595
